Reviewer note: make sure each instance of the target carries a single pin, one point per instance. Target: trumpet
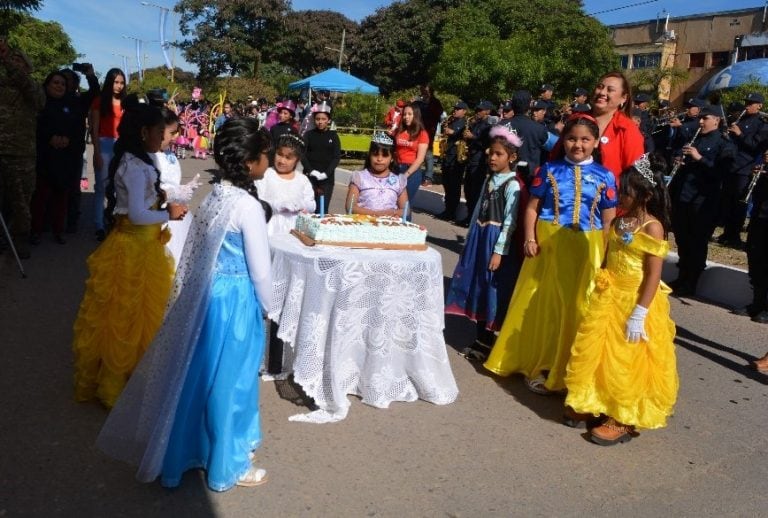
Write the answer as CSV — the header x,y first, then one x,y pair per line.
x,y
753,182
681,160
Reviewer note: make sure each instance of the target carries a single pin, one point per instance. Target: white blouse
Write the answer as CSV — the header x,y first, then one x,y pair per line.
x,y
135,191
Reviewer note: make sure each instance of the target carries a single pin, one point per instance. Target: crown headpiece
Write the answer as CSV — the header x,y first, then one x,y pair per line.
x,y
382,139
643,166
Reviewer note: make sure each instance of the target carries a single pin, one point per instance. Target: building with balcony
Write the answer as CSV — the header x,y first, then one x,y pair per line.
x,y
700,45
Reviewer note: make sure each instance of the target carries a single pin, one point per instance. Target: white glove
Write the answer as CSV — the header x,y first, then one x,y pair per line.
x,y
635,328
318,175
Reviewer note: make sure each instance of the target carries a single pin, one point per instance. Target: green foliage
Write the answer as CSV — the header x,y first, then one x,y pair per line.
x,y
277,76
358,110
540,41
648,79
309,37
21,5
230,37
239,88
45,43
737,94
399,43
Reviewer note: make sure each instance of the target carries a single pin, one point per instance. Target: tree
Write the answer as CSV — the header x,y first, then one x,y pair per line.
x,y
308,34
12,12
398,44
551,41
230,37
45,43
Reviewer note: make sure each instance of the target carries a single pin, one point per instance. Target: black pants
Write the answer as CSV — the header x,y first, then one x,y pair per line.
x,y
757,261
453,178
693,224
733,212
473,184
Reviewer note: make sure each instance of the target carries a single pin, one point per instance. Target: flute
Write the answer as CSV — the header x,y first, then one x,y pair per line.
x,y
680,162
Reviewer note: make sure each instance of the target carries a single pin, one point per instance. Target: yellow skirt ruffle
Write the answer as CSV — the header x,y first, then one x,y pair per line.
x,y
124,303
636,384
548,303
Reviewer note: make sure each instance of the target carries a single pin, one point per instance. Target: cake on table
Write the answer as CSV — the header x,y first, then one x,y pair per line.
x,y
361,231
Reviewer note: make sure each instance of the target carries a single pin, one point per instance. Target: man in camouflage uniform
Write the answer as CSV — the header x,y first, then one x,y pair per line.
x,y
21,98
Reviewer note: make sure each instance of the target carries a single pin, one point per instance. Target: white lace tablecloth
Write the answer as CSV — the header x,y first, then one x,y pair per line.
x,y
364,322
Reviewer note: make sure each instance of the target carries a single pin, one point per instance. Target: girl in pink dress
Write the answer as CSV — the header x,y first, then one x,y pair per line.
x,y
377,190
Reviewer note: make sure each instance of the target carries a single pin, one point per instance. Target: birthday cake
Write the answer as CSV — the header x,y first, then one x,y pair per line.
x,y
361,231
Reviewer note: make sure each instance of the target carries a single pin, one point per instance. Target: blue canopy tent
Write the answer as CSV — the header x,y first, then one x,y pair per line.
x,y
334,80
737,74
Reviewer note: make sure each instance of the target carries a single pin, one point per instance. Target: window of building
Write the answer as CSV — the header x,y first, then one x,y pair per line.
x,y
624,61
646,60
720,59
697,60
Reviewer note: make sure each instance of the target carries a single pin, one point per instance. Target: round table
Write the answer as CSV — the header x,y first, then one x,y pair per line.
x,y
361,321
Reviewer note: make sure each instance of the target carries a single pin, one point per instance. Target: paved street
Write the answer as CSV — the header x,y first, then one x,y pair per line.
x,y
499,450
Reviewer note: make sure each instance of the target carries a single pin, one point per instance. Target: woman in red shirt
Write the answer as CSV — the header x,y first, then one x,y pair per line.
x,y
621,142
106,112
411,142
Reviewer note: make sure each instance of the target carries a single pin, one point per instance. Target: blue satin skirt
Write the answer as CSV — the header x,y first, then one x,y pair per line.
x,y
216,424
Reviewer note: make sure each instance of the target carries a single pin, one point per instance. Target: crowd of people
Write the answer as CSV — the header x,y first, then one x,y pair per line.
x,y
568,217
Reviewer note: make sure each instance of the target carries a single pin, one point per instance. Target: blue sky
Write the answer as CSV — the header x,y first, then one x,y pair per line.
x,y
96,26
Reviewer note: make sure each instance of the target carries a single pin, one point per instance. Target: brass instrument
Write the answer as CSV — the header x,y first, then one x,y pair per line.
x,y
462,148
665,120
753,182
681,160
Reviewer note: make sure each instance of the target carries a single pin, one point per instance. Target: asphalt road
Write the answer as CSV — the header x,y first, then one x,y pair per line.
x,y
499,450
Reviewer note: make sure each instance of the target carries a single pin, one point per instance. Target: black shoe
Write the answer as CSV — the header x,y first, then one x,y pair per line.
x,y
761,318
750,310
59,239
464,223
684,290
446,216
101,235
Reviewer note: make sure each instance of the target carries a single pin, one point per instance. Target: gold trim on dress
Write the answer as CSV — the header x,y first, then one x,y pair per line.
x,y
555,195
576,197
595,201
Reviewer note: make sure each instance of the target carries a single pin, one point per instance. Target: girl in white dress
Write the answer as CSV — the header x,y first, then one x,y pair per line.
x,y
167,163
286,191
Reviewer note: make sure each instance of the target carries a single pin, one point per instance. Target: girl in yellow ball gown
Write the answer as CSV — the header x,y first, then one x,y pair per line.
x,y
622,363
131,271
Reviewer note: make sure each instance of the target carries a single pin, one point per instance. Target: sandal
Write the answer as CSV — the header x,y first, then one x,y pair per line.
x,y
611,432
253,477
536,385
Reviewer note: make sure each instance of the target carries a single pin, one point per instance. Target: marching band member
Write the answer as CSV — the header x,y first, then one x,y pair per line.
x,y
454,161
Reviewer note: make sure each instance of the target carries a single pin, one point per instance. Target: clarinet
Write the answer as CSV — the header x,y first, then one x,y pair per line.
x,y
680,162
753,182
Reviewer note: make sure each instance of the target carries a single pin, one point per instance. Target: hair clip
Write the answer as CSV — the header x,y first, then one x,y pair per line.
x,y
290,136
643,166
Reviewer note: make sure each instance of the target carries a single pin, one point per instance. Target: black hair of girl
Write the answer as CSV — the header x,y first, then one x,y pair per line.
x,y
416,125
588,122
107,90
376,147
292,142
135,118
657,203
169,116
237,141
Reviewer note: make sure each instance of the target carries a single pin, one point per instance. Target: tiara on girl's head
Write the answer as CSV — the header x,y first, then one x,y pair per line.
x,y
506,134
288,138
643,166
381,138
